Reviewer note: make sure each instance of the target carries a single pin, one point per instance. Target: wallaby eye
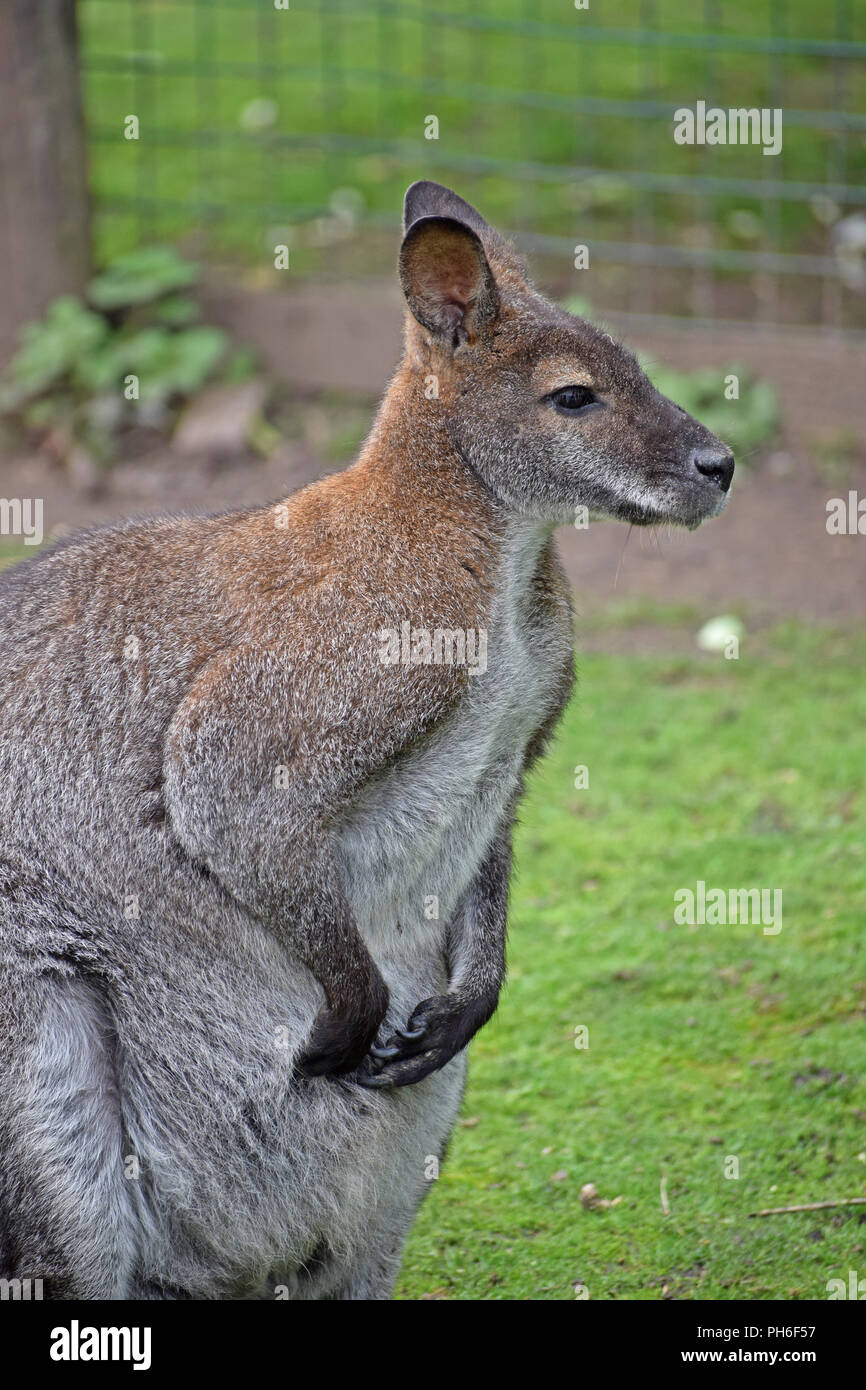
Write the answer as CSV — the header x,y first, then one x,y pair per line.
x,y
572,398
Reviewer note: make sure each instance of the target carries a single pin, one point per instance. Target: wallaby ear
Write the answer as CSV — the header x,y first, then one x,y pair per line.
x,y
446,278
428,199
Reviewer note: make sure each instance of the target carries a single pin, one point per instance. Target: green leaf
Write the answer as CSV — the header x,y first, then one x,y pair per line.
x,y
177,311
50,349
141,276
169,364
240,366
195,353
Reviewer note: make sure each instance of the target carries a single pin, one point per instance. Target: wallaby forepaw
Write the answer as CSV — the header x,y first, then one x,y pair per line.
x,y
338,1044
438,1029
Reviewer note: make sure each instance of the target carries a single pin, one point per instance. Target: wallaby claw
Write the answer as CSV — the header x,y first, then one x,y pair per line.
x,y
410,1034
433,1035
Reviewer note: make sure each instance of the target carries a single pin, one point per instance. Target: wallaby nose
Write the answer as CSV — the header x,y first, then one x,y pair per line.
x,y
719,468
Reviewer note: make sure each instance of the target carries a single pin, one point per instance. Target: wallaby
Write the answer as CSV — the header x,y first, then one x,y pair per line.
x,y
258,774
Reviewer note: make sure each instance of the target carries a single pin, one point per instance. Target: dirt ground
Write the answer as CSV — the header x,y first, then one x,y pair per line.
x,y
769,557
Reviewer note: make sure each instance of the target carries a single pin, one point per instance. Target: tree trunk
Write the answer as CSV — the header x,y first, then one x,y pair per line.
x,y
44,206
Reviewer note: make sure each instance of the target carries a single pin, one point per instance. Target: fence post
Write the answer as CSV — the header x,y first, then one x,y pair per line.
x,y
45,241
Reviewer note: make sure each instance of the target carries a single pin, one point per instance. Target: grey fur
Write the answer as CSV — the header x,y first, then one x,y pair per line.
x,y
162,1033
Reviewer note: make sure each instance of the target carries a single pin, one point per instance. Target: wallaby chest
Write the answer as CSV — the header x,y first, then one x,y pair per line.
x,y
417,837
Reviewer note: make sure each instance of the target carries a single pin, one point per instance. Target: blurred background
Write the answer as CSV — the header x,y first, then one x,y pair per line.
x,y
199,221
233,170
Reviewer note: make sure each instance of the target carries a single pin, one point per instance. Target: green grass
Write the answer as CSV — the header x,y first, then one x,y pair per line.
x,y
704,1042
370,79
14,550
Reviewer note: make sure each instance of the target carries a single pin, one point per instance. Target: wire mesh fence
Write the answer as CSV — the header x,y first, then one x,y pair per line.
x,y
263,122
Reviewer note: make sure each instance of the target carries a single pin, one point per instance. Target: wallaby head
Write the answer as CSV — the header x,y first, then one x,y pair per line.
x,y
549,411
